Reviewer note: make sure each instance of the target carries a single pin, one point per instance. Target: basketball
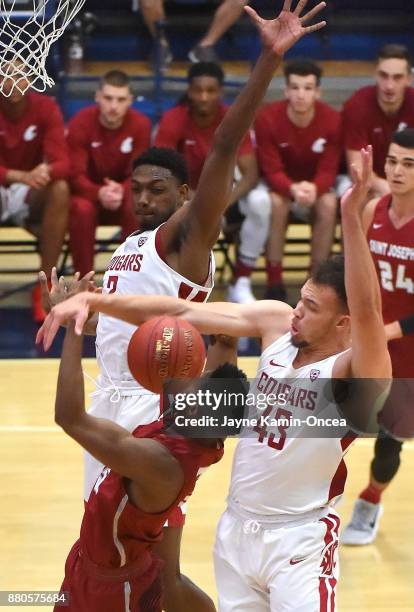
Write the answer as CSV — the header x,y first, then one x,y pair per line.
x,y
163,348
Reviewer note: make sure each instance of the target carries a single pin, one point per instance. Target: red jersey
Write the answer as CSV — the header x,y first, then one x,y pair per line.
x,y
97,152
116,537
393,252
366,123
289,154
36,137
179,131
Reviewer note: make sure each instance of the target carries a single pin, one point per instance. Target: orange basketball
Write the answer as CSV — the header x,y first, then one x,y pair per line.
x,y
163,348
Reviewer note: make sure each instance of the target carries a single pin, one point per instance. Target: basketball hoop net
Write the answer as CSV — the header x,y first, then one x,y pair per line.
x,y
26,38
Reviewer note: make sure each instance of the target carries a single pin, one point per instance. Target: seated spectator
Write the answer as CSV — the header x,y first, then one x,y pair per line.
x,y
103,139
34,166
226,14
372,114
189,128
299,149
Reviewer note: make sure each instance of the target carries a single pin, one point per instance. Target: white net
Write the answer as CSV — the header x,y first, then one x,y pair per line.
x,y
26,38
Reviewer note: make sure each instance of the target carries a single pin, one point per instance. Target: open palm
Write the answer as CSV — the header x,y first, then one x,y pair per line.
x,y
280,34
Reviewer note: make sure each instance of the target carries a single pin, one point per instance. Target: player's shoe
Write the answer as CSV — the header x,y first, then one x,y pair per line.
x,y
364,524
241,291
276,292
203,54
38,312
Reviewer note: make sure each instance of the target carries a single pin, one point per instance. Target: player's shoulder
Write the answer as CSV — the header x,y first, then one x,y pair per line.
x,y
176,113
273,109
85,116
138,118
361,98
409,95
43,104
326,111
369,212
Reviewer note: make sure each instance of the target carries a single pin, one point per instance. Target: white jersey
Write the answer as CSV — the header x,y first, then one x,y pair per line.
x,y
288,471
137,268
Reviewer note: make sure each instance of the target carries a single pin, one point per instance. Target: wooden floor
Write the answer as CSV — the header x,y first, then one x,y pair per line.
x,y
41,503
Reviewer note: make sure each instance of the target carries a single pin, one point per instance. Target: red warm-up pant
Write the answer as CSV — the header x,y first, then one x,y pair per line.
x,y
85,216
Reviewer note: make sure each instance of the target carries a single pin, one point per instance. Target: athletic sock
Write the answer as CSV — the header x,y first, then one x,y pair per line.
x,y
242,269
371,494
274,273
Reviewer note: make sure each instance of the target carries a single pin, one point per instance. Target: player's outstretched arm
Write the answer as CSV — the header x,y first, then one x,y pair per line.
x,y
156,475
266,319
369,356
202,223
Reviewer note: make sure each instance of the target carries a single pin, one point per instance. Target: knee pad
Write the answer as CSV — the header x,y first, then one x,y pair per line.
x,y
258,204
386,460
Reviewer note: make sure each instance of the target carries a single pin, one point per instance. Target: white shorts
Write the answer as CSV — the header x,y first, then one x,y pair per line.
x,y
288,569
13,203
129,412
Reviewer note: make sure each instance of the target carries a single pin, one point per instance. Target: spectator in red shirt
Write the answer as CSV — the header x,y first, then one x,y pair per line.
x,y
103,139
34,166
372,114
189,128
299,149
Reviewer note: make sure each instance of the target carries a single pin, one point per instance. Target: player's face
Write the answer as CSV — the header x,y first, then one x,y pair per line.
x,y
113,103
316,316
392,76
399,169
156,195
204,94
302,92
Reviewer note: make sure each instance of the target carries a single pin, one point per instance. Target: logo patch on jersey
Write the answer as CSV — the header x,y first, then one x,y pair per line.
x,y
376,225
142,241
127,145
95,144
30,133
277,365
314,374
319,145
189,142
283,145
402,126
295,560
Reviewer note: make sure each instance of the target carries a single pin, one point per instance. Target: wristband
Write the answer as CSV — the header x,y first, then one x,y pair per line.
x,y
407,325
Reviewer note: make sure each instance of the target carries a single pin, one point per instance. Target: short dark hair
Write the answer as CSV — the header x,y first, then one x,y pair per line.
x,y
210,69
165,158
116,78
404,138
394,51
331,273
302,67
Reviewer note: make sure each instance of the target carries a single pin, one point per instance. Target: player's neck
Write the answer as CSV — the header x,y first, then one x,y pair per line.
x,y
312,354
390,109
301,119
402,208
14,110
204,121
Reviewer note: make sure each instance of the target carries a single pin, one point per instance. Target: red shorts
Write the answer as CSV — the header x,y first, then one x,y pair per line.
x,y
397,415
92,589
176,518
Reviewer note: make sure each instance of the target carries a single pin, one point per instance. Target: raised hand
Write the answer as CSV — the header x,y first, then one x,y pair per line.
x,y
282,33
75,308
355,198
60,290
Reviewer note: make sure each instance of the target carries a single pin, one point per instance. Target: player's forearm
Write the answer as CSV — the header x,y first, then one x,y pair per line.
x,y
70,394
240,115
362,289
212,318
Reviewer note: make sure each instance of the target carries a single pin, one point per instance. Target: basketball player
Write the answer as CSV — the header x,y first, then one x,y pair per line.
x,y
103,140
299,146
282,487
389,222
172,256
189,128
111,567
372,114
34,168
